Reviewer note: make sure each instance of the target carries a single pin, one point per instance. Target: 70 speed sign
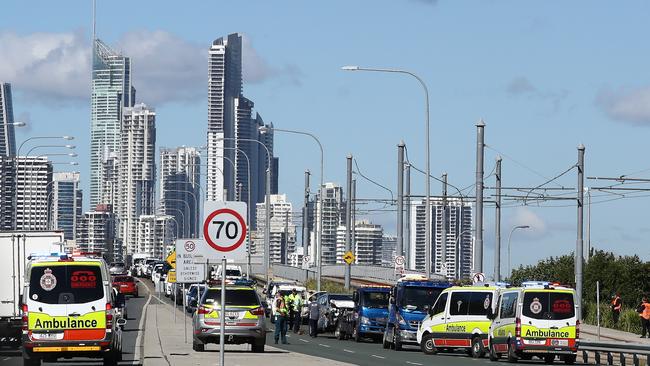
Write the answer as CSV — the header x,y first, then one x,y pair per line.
x,y
224,229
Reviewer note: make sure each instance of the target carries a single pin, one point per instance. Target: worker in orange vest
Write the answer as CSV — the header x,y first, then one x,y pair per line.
x,y
617,304
644,313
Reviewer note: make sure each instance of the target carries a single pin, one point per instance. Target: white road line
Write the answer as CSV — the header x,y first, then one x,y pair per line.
x,y
304,340
324,345
375,356
414,363
138,340
347,350
5,359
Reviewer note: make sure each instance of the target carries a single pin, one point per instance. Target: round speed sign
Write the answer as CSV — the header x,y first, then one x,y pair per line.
x,y
224,230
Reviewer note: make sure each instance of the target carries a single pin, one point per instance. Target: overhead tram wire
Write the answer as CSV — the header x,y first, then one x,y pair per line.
x,y
358,171
551,180
520,164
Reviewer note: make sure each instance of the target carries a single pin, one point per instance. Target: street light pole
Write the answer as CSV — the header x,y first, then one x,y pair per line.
x,y
319,232
509,238
427,205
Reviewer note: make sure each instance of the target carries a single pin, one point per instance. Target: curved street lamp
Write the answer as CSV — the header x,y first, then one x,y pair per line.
x,y
510,237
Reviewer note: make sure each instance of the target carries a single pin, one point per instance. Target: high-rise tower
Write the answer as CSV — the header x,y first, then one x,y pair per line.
x,y
111,92
7,137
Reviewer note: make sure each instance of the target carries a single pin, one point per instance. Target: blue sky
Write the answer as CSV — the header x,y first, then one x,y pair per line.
x,y
545,76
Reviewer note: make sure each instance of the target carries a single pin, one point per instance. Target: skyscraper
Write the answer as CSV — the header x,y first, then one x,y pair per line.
x,y
66,203
224,85
283,231
7,137
137,171
180,195
7,191
459,251
96,233
111,92
154,235
33,186
367,239
333,214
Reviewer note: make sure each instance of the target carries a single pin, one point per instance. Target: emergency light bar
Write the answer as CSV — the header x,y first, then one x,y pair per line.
x,y
58,255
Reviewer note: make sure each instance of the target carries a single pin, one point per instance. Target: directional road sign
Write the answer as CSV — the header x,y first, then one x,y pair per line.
x,y
224,228
171,259
348,257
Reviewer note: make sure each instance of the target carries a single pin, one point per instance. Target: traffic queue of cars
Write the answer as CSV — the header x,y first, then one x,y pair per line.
x,y
537,319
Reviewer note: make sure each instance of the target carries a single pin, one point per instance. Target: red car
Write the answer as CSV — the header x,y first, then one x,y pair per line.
x,y
125,285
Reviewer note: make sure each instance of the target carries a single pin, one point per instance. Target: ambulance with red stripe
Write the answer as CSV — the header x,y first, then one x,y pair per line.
x,y
538,319
68,311
459,320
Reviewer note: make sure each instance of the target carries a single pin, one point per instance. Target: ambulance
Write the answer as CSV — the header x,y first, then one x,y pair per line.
x,y
68,310
459,319
538,319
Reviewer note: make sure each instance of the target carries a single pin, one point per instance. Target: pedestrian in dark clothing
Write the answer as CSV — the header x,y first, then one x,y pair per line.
x,y
617,304
314,313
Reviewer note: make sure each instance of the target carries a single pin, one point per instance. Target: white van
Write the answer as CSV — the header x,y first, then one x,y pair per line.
x,y
537,319
459,319
69,310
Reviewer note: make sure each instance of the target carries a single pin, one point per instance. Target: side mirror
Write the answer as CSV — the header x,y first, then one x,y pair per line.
x,y
490,314
430,311
121,322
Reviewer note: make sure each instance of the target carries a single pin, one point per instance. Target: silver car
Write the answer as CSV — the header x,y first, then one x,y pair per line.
x,y
245,320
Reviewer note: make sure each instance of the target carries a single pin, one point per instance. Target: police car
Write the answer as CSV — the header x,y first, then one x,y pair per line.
x,y
459,319
68,310
537,319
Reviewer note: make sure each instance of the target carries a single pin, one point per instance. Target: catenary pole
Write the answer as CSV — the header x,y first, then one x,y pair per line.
x,y
348,218
399,248
579,242
478,243
497,223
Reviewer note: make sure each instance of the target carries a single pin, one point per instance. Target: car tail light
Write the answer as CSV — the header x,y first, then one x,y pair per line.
x,y
577,329
202,310
25,319
109,316
518,328
257,311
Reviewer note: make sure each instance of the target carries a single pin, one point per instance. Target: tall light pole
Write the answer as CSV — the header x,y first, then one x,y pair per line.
x,y
267,218
427,206
319,232
510,237
457,246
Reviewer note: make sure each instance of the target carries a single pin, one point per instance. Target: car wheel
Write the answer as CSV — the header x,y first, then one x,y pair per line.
x,y
31,361
384,341
477,350
397,344
548,359
258,345
570,360
198,347
428,346
494,356
512,355
111,358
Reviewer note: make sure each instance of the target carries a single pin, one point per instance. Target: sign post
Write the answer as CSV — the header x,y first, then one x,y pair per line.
x,y
399,265
224,231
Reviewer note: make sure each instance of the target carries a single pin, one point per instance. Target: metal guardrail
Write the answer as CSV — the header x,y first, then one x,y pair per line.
x,y
369,273
609,349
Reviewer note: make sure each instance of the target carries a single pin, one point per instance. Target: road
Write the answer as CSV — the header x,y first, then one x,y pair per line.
x,y
131,332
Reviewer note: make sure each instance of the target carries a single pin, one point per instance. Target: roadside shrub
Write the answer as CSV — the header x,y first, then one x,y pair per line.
x,y
627,322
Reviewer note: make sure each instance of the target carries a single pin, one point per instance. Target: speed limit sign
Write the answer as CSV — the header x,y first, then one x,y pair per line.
x,y
224,228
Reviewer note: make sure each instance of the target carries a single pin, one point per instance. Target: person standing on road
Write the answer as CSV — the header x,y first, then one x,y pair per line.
x,y
297,309
617,304
281,313
644,313
314,313
288,300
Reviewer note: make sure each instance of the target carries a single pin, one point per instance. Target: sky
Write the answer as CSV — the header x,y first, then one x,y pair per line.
x,y
545,76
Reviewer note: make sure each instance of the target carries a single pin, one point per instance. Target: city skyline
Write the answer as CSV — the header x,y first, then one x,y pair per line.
x,y
552,103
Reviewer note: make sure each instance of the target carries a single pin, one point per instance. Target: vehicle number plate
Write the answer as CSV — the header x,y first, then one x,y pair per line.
x,y
232,314
535,341
47,336
559,342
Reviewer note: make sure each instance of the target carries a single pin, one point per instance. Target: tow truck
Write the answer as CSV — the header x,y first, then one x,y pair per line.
x,y
369,316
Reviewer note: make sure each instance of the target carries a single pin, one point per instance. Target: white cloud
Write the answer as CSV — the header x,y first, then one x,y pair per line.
x,y
626,104
521,86
525,216
256,69
165,67
51,66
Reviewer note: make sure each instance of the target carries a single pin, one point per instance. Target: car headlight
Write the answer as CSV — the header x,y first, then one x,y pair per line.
x,y
365,320
400,319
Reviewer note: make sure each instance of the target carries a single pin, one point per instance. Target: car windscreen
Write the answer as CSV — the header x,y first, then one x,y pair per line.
x,y
340,297
416,298
376,299
233,272
548,305
233,297
123,279
69,284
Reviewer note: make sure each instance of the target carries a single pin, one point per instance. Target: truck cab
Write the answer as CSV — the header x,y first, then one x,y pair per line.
x,y
369,316
410,300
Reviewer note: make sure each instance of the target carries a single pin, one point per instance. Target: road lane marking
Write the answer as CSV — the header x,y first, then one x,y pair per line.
x,y
138,339
5,359
304,340
414,363
324,345
375,356
347,350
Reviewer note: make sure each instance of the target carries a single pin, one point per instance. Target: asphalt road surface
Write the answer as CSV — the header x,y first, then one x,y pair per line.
x,y
131,331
